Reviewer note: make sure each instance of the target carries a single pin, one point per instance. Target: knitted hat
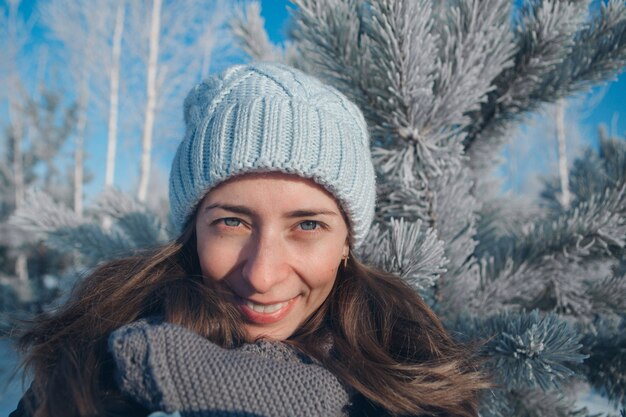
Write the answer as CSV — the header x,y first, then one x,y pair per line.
x,y
267,117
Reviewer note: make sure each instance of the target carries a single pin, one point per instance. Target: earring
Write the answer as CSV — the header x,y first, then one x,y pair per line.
x,y
345,261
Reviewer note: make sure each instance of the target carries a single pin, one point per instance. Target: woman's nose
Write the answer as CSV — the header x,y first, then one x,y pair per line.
x,y
265,266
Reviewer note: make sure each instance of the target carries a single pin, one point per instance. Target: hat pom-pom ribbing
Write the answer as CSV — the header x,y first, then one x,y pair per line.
x,y
199,98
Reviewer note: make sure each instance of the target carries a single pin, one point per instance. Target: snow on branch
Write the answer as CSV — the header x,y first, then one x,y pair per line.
x,y
556,258
41,214
134,228
249,27
607,358
328,34
537,403
407,249
476,46
559,51
399,36
593,173
608,295
528,350
599,54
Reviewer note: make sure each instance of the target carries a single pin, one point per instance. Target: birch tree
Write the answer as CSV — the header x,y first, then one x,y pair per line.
x,y
34,128
176,43
559,127
14,34
75,25
151,93
114,92
91,34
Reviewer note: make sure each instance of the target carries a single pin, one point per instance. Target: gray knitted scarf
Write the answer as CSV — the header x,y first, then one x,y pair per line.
x,y
168,368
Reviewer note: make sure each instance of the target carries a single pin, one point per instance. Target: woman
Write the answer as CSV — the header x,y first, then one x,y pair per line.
x,y
260,306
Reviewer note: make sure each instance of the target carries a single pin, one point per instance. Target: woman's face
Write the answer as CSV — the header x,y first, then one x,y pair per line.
x,y
276,242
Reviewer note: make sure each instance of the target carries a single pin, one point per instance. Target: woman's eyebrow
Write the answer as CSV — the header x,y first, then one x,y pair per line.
x,y
235,209
308,213
292,214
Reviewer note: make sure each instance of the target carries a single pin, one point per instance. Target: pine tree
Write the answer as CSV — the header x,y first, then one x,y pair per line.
x,y
441,85
50,123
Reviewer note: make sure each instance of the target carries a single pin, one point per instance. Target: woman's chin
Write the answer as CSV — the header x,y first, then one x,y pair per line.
x,y
254,333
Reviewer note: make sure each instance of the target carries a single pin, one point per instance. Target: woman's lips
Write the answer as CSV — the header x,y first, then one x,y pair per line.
x,y
265,313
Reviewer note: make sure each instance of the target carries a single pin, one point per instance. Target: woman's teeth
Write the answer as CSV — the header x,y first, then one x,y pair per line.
x,y
265,308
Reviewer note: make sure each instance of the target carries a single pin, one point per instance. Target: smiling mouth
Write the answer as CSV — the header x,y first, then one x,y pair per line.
x,y
265,313
265,308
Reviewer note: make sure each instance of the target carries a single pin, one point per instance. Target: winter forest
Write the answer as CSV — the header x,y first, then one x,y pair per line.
x,y
458,94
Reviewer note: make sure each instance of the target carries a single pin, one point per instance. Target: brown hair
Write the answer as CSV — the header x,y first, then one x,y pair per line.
x,y
386,342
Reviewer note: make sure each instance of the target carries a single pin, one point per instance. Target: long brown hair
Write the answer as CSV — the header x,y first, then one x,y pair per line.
x,y
386,342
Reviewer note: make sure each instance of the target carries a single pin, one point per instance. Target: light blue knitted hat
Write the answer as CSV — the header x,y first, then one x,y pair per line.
x,y
269,117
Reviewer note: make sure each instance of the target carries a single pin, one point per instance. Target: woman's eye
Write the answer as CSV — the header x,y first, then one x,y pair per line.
x,y
230,221
309,225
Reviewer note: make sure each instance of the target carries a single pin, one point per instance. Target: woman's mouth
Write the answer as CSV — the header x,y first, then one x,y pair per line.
x,y
265,313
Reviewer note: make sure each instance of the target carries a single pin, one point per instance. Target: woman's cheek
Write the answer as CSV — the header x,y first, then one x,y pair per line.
x,y
217,256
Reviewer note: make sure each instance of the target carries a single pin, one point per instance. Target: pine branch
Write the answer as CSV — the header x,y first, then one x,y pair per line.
x,y
455,214
113,202
403,189
422,98
476,45
543,36
534,403
503,218
40,214
444,203
413,84
555,58
248,26
401,44
93,243
134,228
599,54
593,173
526,350
606,366
455,211
520,269
596,173
408,249
328,35
132,218
608,296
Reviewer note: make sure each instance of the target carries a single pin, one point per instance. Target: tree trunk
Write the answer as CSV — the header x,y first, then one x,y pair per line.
x,y
114,93
560,137
21,266
78,170
17,131
81,123
18,168
146,142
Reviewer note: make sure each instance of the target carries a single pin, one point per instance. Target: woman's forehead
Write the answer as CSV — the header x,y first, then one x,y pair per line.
x,y
275,189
